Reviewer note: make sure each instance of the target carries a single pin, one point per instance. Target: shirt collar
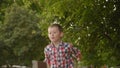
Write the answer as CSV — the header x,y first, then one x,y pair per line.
x,y
60,44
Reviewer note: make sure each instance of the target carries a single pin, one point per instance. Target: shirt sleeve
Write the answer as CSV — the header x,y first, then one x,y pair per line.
x,y
75,52
47,58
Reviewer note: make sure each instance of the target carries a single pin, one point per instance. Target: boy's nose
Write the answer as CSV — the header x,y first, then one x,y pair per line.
x,y
52,34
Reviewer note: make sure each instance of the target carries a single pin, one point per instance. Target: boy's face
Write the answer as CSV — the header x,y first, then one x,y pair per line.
x,y
54,34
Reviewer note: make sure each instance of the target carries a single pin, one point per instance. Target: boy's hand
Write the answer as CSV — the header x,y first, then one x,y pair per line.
x,y
80,57
48,66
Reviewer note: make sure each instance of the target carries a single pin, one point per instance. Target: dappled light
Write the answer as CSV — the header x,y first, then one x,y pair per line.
x,y
93,26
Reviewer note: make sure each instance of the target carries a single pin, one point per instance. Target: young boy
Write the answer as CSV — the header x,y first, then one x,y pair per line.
x,y
59,54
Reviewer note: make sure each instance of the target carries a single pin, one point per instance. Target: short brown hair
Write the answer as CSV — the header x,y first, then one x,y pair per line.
x,y
57,25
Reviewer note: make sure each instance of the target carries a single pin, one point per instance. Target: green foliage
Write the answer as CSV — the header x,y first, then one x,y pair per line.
x,y
20,32
6,54
91,25
3,5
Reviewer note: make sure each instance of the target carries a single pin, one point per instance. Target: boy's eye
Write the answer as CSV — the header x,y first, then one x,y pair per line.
x,y
52,32
49,33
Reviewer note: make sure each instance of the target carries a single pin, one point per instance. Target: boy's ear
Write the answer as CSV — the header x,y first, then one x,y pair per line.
x,y
61,34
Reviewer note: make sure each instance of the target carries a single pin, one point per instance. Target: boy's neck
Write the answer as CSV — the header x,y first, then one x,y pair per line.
x,y
56,44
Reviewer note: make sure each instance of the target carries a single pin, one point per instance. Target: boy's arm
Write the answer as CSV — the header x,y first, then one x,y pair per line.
x,y
76,52
48,66
47,58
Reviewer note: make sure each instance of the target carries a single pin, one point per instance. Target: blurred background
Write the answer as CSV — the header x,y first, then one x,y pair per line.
x,y
93,26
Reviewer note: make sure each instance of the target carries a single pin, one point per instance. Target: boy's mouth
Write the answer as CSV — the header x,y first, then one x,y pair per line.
x,y
52,37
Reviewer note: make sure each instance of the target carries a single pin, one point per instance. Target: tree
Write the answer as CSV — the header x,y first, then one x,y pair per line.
x,y
93,26
21,33
6,54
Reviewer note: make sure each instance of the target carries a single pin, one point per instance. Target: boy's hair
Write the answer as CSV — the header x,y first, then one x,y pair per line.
x,y
57,25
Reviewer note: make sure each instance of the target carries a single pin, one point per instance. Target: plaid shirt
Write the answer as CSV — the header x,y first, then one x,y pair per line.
x,y
61,56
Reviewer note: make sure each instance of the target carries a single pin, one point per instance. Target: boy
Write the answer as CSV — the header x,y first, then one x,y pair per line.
x,y
59,54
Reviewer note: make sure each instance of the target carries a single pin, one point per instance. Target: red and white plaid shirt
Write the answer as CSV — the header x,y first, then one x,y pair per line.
x,y
61,56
